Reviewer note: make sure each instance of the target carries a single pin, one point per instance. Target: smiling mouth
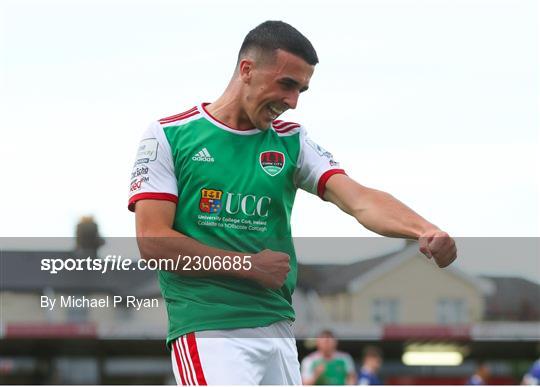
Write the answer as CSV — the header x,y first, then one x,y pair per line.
x,y
275,112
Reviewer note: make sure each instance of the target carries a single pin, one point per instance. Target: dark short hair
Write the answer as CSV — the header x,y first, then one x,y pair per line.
x,y
479,363
371,351
273,35
326,333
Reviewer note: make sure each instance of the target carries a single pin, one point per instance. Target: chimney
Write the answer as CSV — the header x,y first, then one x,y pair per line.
x,y
88,239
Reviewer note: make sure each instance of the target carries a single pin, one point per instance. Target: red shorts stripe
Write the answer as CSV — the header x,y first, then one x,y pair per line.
x,y
194,352
179,363
187,361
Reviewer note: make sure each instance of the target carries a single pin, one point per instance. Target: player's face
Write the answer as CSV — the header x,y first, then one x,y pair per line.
x,y
326,344
484,371
375,362
274,87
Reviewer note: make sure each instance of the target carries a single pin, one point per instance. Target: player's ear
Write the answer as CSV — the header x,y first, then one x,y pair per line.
x,y
245,70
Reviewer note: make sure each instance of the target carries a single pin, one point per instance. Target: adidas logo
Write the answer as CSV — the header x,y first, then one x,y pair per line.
x,y
203,155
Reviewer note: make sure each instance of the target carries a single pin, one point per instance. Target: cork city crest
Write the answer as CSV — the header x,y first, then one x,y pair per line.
x,y
272,162
210,200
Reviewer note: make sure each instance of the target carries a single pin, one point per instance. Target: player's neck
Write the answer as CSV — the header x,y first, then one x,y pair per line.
x,y
228,110
327,355
368,369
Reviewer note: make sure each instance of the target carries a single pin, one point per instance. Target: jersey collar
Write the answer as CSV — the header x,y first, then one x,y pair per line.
x,y
221,125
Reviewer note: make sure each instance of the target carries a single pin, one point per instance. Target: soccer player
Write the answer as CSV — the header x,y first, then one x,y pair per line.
x,y
532,377
216,183
327,365
371,364
481,374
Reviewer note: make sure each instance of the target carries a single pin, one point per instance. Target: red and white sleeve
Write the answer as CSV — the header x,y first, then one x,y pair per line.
x,y
153,175
315,166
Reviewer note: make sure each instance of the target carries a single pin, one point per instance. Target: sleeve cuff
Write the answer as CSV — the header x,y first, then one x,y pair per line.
x,y
150,195
324,178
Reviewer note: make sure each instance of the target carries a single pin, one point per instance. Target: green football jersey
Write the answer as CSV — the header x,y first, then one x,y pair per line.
x,y
234,190
335,371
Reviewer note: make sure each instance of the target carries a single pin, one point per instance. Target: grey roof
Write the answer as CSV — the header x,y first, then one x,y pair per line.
x,y
21,271
513,298
330,279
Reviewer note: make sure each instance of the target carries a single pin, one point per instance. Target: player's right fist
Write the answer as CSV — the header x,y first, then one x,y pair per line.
x,y
269,268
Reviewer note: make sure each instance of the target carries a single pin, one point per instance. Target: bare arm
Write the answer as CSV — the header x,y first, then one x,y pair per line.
x,y
380,212
317,372
352,379
157,240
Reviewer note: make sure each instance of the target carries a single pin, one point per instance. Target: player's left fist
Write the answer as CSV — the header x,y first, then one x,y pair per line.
x,y
438,245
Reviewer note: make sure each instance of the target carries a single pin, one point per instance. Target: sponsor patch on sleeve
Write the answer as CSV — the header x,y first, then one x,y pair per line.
x,y
322,152
147,152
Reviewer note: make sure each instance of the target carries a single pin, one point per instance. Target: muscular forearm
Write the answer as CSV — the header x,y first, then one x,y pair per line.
x,y
385,215
167,244
158,240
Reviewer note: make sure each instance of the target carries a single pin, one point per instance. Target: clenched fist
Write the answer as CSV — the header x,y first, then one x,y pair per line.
x,y
269,268
438,245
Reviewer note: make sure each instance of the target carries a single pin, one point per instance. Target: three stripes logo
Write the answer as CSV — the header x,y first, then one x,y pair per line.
x,y
203,155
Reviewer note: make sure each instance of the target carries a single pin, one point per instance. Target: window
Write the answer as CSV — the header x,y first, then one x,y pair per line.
x,y
385,311
451,311
123,313
77,315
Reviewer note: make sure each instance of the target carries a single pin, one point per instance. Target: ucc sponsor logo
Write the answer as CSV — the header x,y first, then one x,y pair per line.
x,y
249,205
211,202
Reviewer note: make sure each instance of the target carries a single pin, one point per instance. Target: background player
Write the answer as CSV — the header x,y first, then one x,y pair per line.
x,y
371,363
327,365
533,376
481,374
